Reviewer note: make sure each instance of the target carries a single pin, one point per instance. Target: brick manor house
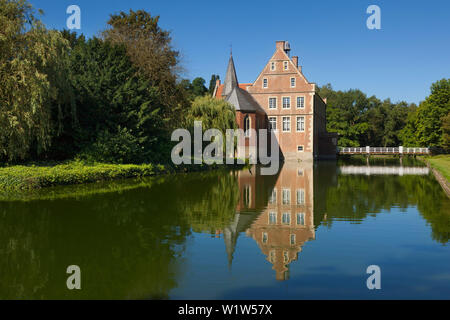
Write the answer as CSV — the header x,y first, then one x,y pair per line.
x,y
281,99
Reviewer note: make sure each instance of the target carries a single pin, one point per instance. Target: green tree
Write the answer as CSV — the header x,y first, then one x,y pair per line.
x,y
114,101
366,121
150,50
212,83
446,132
33,77
430,115
198,87
214,114
408,133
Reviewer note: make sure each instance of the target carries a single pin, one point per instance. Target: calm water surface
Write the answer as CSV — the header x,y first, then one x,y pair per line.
x,y
309,232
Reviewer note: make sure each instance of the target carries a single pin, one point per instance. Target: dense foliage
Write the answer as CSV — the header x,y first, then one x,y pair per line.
x,y
213,113
368,121
118,98
114,99
32,76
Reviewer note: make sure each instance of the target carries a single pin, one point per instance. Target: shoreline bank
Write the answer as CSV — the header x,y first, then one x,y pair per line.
x,y
440,167
25,178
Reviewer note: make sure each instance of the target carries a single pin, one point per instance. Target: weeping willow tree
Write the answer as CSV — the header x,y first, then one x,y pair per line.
x,y
33,79
213,113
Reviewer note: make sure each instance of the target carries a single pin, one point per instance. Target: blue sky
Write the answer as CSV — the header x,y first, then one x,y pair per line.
x,y
400,61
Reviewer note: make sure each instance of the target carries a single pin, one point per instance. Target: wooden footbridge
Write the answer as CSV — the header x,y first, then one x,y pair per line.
x,y
384,151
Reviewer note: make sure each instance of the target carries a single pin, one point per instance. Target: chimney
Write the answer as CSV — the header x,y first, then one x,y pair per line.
x,y
280,45
295,61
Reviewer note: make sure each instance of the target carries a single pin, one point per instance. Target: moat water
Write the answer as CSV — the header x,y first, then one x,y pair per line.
x,y
309,232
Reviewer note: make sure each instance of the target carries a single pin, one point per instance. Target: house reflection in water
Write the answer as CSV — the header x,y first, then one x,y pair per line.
x,y
277,212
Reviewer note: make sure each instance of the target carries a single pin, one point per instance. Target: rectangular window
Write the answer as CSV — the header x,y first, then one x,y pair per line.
x,y
286,65
265,237
273,197
272,103
286,196
273,123
286,102
292,82
301,148
272,218
273,66
292,239
300,102
272,256
300,124
286,256
286,219
300,197
300,219
286,124
265,83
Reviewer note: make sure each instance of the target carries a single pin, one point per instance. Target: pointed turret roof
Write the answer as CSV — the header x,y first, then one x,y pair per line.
x,y
231,81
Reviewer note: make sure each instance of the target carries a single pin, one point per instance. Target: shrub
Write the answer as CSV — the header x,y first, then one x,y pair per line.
x,y
118,148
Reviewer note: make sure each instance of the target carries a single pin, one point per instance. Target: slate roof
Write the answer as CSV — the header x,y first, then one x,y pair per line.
x,y
221,87
230,79
242,100
236,94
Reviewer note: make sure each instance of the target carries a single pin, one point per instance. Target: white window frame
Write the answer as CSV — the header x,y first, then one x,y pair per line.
x,y
283,104
265,237
276,103
301,217
286,214
300,151
273,66
265,83
286,117
297,102
297,123
248,131
286,200
286,256
273,197
272,256
276,123
270,221
286,65
301,197
293,239
295,82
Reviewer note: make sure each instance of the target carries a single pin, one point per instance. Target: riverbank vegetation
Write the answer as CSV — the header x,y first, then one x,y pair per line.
x,y
115,99
442,164
112,99
367,121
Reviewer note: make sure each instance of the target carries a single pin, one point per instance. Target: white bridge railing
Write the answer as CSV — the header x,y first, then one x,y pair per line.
x,y
380,170
384,150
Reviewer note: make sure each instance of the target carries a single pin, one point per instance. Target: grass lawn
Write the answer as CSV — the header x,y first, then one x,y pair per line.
x,y
21,178
442,164
40,176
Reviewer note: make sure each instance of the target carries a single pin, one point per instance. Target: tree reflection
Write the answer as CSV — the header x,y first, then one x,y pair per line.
x,y
129,237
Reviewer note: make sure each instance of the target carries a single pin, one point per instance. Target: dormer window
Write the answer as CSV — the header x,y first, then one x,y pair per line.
x,y
293,83
265,83
272,66
286,65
